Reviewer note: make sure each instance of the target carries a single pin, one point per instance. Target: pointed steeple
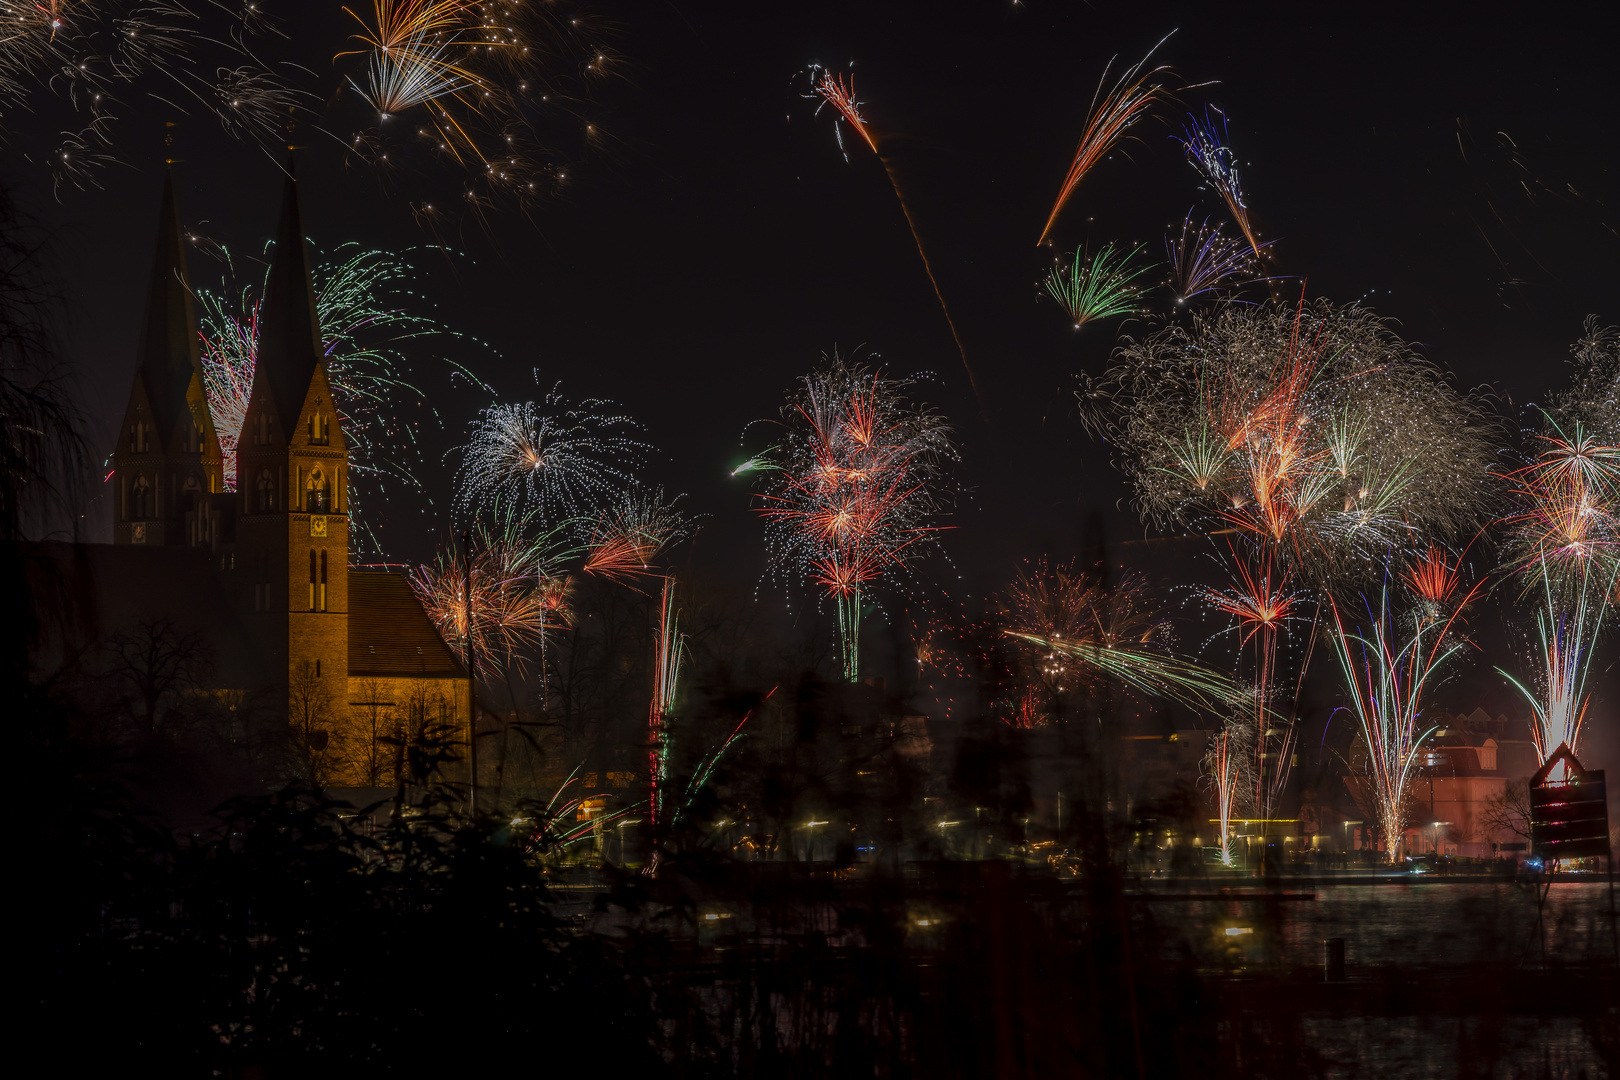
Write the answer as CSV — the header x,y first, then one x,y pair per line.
x,y
169,353
289,333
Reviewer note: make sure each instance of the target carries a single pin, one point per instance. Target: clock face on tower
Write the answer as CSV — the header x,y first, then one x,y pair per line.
x,y
137,533
317,524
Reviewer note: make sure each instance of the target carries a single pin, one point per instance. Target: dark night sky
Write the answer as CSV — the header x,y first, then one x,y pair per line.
x,y
718,242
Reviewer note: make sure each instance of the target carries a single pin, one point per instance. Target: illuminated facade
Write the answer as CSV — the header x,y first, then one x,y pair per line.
x,y
334,640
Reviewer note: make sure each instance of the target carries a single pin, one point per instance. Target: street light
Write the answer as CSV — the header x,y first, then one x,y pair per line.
x,y
1347,833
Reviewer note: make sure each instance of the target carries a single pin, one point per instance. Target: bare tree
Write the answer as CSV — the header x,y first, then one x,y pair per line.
x,y
157,660
1508,811
41,453
316,745
375,725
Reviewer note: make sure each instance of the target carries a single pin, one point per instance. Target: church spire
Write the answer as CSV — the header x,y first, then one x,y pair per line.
x,y
289,332
169,355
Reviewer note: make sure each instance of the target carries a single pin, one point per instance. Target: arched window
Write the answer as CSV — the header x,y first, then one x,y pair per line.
x,y
140,499
320,429
312,579
267,490
317,500
322,592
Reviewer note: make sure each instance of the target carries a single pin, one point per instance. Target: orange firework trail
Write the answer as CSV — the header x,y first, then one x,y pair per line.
x,y
1111,115
841,96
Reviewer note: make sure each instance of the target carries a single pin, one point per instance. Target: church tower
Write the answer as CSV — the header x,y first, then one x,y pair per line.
x,y
292,532
167,461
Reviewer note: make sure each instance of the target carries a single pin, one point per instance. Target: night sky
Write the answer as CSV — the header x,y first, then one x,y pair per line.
x,y
713,241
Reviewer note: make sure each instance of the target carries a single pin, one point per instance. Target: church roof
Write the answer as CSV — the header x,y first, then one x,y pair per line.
x,y
289,331
168,352
390,636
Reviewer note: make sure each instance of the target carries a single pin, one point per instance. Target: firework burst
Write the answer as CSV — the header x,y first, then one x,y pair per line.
x,y
1321,441
1566,523
855,486
1563,537
1261,606
1111,115
1313,432
1097,288
504,595
627,539
565,463
1202,260
491,88
366,329
99,60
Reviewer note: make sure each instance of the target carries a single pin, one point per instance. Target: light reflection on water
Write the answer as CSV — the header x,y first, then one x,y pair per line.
x,y
1409,927
1419,923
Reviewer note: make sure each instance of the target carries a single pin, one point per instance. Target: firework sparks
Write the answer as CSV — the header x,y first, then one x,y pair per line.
x,y
359,298
1202,260
671,645
1084,631
1098,288
564,462
1386,678
1111,115
478,85
96,59
1315,432
627,539
855,486
1222,765
504,595
1207,150
833,90
710,761
557,826
1568,631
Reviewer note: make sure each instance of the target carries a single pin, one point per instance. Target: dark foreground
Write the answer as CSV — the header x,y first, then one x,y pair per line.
x,y
290,942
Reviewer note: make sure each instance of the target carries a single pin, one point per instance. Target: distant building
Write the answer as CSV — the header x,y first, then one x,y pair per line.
x,y
1468,763
260,573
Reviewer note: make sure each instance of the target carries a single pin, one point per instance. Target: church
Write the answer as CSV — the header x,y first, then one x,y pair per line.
x,y
260,574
